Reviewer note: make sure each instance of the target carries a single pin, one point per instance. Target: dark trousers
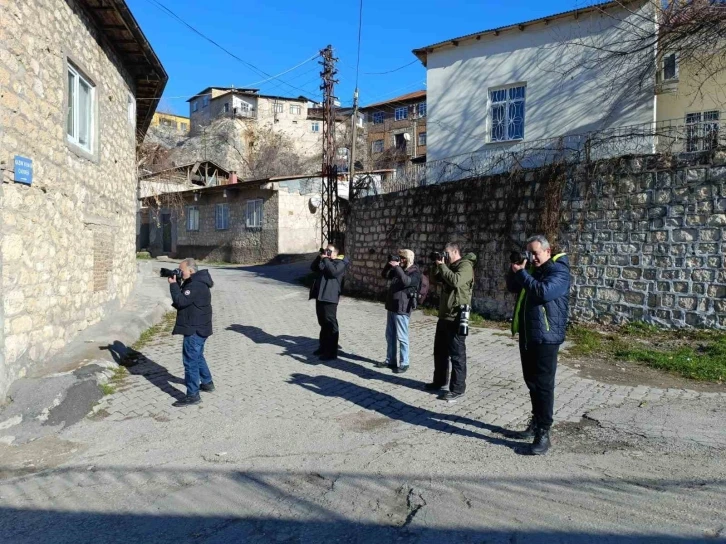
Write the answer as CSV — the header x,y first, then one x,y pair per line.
x,y
448,343
328,320
539,365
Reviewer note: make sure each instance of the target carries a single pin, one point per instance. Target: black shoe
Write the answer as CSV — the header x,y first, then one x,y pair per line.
x,y
433,387
383,365
317,351
207,387
400,369
451,397
327,357
541,442
188,401
526,434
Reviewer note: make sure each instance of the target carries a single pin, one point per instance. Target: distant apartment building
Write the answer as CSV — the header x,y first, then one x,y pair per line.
x,y
172,122
397,130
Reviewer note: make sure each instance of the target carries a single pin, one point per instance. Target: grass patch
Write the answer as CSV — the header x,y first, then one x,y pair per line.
x,y
695,354
118,375
143,255
108,389
163,327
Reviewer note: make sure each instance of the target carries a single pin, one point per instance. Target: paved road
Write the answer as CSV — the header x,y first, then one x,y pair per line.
x,y
289,449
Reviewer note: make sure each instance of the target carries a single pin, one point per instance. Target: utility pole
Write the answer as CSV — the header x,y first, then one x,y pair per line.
x,y
330,216
351,169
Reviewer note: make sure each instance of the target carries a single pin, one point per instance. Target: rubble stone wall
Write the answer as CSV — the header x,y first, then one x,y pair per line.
x,y
68,240
646,236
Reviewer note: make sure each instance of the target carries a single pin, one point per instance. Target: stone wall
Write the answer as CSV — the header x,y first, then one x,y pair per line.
x,y
646,236
68,240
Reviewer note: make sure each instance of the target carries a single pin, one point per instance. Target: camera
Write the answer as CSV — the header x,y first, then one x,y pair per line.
x,y
176,273
439,256
518,257
464,314
325,252
392,257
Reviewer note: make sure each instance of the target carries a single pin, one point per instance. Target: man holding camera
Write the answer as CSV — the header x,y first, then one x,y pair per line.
x,y
405,279
456,274
192,299
329,270
540,318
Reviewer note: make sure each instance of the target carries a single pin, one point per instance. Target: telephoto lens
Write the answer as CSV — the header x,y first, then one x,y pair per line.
x,y
392,257
518,257
464,314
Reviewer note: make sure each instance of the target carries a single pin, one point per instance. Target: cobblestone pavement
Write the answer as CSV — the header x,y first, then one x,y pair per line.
x,y
290,449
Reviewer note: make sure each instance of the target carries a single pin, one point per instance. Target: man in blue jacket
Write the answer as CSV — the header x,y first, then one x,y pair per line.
x,y
540,318
329,270
193,302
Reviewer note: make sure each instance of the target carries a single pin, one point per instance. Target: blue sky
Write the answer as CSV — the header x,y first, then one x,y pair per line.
x,y
275,36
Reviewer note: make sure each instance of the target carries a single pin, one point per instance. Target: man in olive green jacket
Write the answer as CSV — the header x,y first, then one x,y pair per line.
x,y
457,280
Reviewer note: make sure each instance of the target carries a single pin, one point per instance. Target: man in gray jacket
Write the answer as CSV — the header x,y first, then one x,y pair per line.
x,y
329,269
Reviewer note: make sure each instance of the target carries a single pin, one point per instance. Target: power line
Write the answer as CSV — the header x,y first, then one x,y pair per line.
x,y
282,73
210,40
360,27
391,71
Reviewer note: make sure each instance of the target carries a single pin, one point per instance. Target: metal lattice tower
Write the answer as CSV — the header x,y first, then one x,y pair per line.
x,y
329,211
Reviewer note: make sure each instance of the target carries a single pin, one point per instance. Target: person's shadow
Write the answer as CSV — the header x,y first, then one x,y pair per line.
x,y
301,349
140,365
393,408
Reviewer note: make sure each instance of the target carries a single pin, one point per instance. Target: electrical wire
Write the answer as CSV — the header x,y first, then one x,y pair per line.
x,y
210,40
315,56
391,71
360,28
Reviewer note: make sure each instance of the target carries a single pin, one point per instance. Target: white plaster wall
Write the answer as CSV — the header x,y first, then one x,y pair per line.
x,y
458,80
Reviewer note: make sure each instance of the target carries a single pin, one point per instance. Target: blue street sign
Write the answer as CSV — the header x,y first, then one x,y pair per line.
x,y
23,170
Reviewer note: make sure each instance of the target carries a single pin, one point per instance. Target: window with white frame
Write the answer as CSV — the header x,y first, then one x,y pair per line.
x,y
295,109
221,217
670,67
195,106
401,113
131,109
702,131
378,117
192,218
506,113
377,146
277,108
315,126
421,138
205,101
80,117
254,213
422,109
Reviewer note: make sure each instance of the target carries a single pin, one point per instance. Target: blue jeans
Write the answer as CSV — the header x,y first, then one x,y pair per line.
x,y
397,338
195,365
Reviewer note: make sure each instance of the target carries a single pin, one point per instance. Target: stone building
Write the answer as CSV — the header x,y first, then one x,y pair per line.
x,y
79,84
246,222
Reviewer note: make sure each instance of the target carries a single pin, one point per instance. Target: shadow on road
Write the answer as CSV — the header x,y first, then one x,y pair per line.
x,y
301,349
393,408
255,507
140,365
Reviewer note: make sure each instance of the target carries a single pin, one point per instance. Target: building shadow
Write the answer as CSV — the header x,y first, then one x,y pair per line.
x,y
301,349
391,407
138,364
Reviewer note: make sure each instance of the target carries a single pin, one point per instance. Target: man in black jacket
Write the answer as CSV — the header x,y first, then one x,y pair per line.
x,y
193,303
405,279
329,270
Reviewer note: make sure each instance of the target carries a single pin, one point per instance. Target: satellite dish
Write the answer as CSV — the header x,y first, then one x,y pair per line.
x,y
407,136
316,201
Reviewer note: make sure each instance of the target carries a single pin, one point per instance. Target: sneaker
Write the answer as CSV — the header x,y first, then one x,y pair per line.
x,y
187,401
317,351
400,369
541,443
526,434
450,396
433,387
383,365
327,357
207,387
